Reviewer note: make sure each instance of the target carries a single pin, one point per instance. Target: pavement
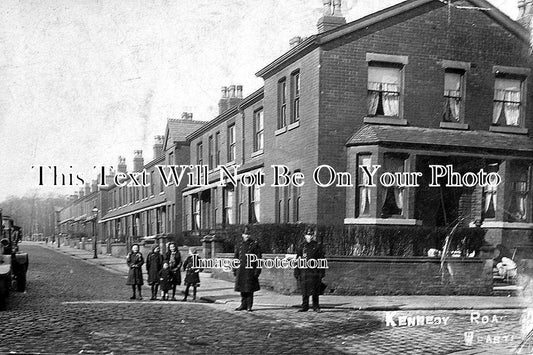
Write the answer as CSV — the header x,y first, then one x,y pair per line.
x,y
219,291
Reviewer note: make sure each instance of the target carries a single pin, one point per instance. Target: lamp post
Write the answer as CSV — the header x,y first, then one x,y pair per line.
x,y
95,211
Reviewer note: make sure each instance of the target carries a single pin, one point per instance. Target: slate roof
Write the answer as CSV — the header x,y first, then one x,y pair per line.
x,y
481,140
179,129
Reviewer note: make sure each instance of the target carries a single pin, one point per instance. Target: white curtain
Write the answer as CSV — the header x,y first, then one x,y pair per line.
x,y
512,107
373,97
229,207
490,196
197,213
499,96
507,97
257,202
452,105
364,199
398,196
391,100
364,189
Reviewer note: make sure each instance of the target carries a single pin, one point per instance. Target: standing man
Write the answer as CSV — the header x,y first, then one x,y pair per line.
x,y
247,278
310,280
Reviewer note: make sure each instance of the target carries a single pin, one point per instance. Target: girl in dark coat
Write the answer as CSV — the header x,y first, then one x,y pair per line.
x,y
135,275
192,277
165,280
154,264
247,279
310,280
173,258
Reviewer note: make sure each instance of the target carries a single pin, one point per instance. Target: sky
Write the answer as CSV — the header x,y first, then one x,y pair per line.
x,y
84,81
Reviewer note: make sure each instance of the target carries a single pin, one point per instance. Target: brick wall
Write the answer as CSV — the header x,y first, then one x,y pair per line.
x,y
386,276
425,38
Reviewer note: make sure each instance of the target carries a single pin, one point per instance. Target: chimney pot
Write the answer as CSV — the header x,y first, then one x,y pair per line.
x,y
138,160
294,41
239,91
121,168
232,91
224,92
184,115
189,116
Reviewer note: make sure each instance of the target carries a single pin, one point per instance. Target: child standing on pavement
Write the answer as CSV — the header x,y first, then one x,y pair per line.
x,y
165,281
192,277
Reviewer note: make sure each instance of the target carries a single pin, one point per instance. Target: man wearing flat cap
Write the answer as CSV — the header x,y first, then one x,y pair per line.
x,y
310,279
247,279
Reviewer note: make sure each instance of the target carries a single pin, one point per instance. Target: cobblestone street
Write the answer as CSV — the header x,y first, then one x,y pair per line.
x,y
72,306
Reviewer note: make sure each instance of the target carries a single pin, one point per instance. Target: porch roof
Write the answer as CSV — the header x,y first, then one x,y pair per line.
x,y
479,140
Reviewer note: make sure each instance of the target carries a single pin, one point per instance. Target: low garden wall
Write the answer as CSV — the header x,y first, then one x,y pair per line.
x,y
386,276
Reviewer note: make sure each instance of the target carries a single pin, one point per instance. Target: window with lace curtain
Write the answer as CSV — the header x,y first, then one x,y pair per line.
x,y
254,212
363,193
196,215
229,203
507,109
384,89
392,197
453,95
490,194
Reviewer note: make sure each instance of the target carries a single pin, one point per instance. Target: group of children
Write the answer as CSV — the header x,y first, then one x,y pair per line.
x,y
163,272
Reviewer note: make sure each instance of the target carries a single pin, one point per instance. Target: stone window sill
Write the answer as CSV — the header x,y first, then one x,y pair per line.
x,y
257,153
385,120
277,132
506,225
383,221
508,129
454,125
293,125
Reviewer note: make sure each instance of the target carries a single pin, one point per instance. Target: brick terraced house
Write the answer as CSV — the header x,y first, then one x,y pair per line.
x,y
422,83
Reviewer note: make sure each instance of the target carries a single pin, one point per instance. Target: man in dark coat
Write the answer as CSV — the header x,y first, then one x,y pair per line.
x,y
154,264
310,279
247,279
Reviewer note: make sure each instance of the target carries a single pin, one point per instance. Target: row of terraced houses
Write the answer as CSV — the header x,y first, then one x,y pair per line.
x,y
417,84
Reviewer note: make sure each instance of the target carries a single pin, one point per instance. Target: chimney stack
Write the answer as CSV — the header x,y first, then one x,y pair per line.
x,y
87,189
81,193
231,97
158,146
138,160
109,177
525,13
332,16
121,167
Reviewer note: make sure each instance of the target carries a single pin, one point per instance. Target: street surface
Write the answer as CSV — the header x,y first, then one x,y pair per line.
x,y
74,307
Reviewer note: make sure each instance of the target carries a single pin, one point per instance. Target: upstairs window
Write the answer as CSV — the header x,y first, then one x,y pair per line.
x,y
217,149
384,89
258,130
295,87
211,157
453,95
507,101
232,149
282,103
199,154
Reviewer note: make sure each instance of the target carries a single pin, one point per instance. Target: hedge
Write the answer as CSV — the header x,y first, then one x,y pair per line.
x,y
358,240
